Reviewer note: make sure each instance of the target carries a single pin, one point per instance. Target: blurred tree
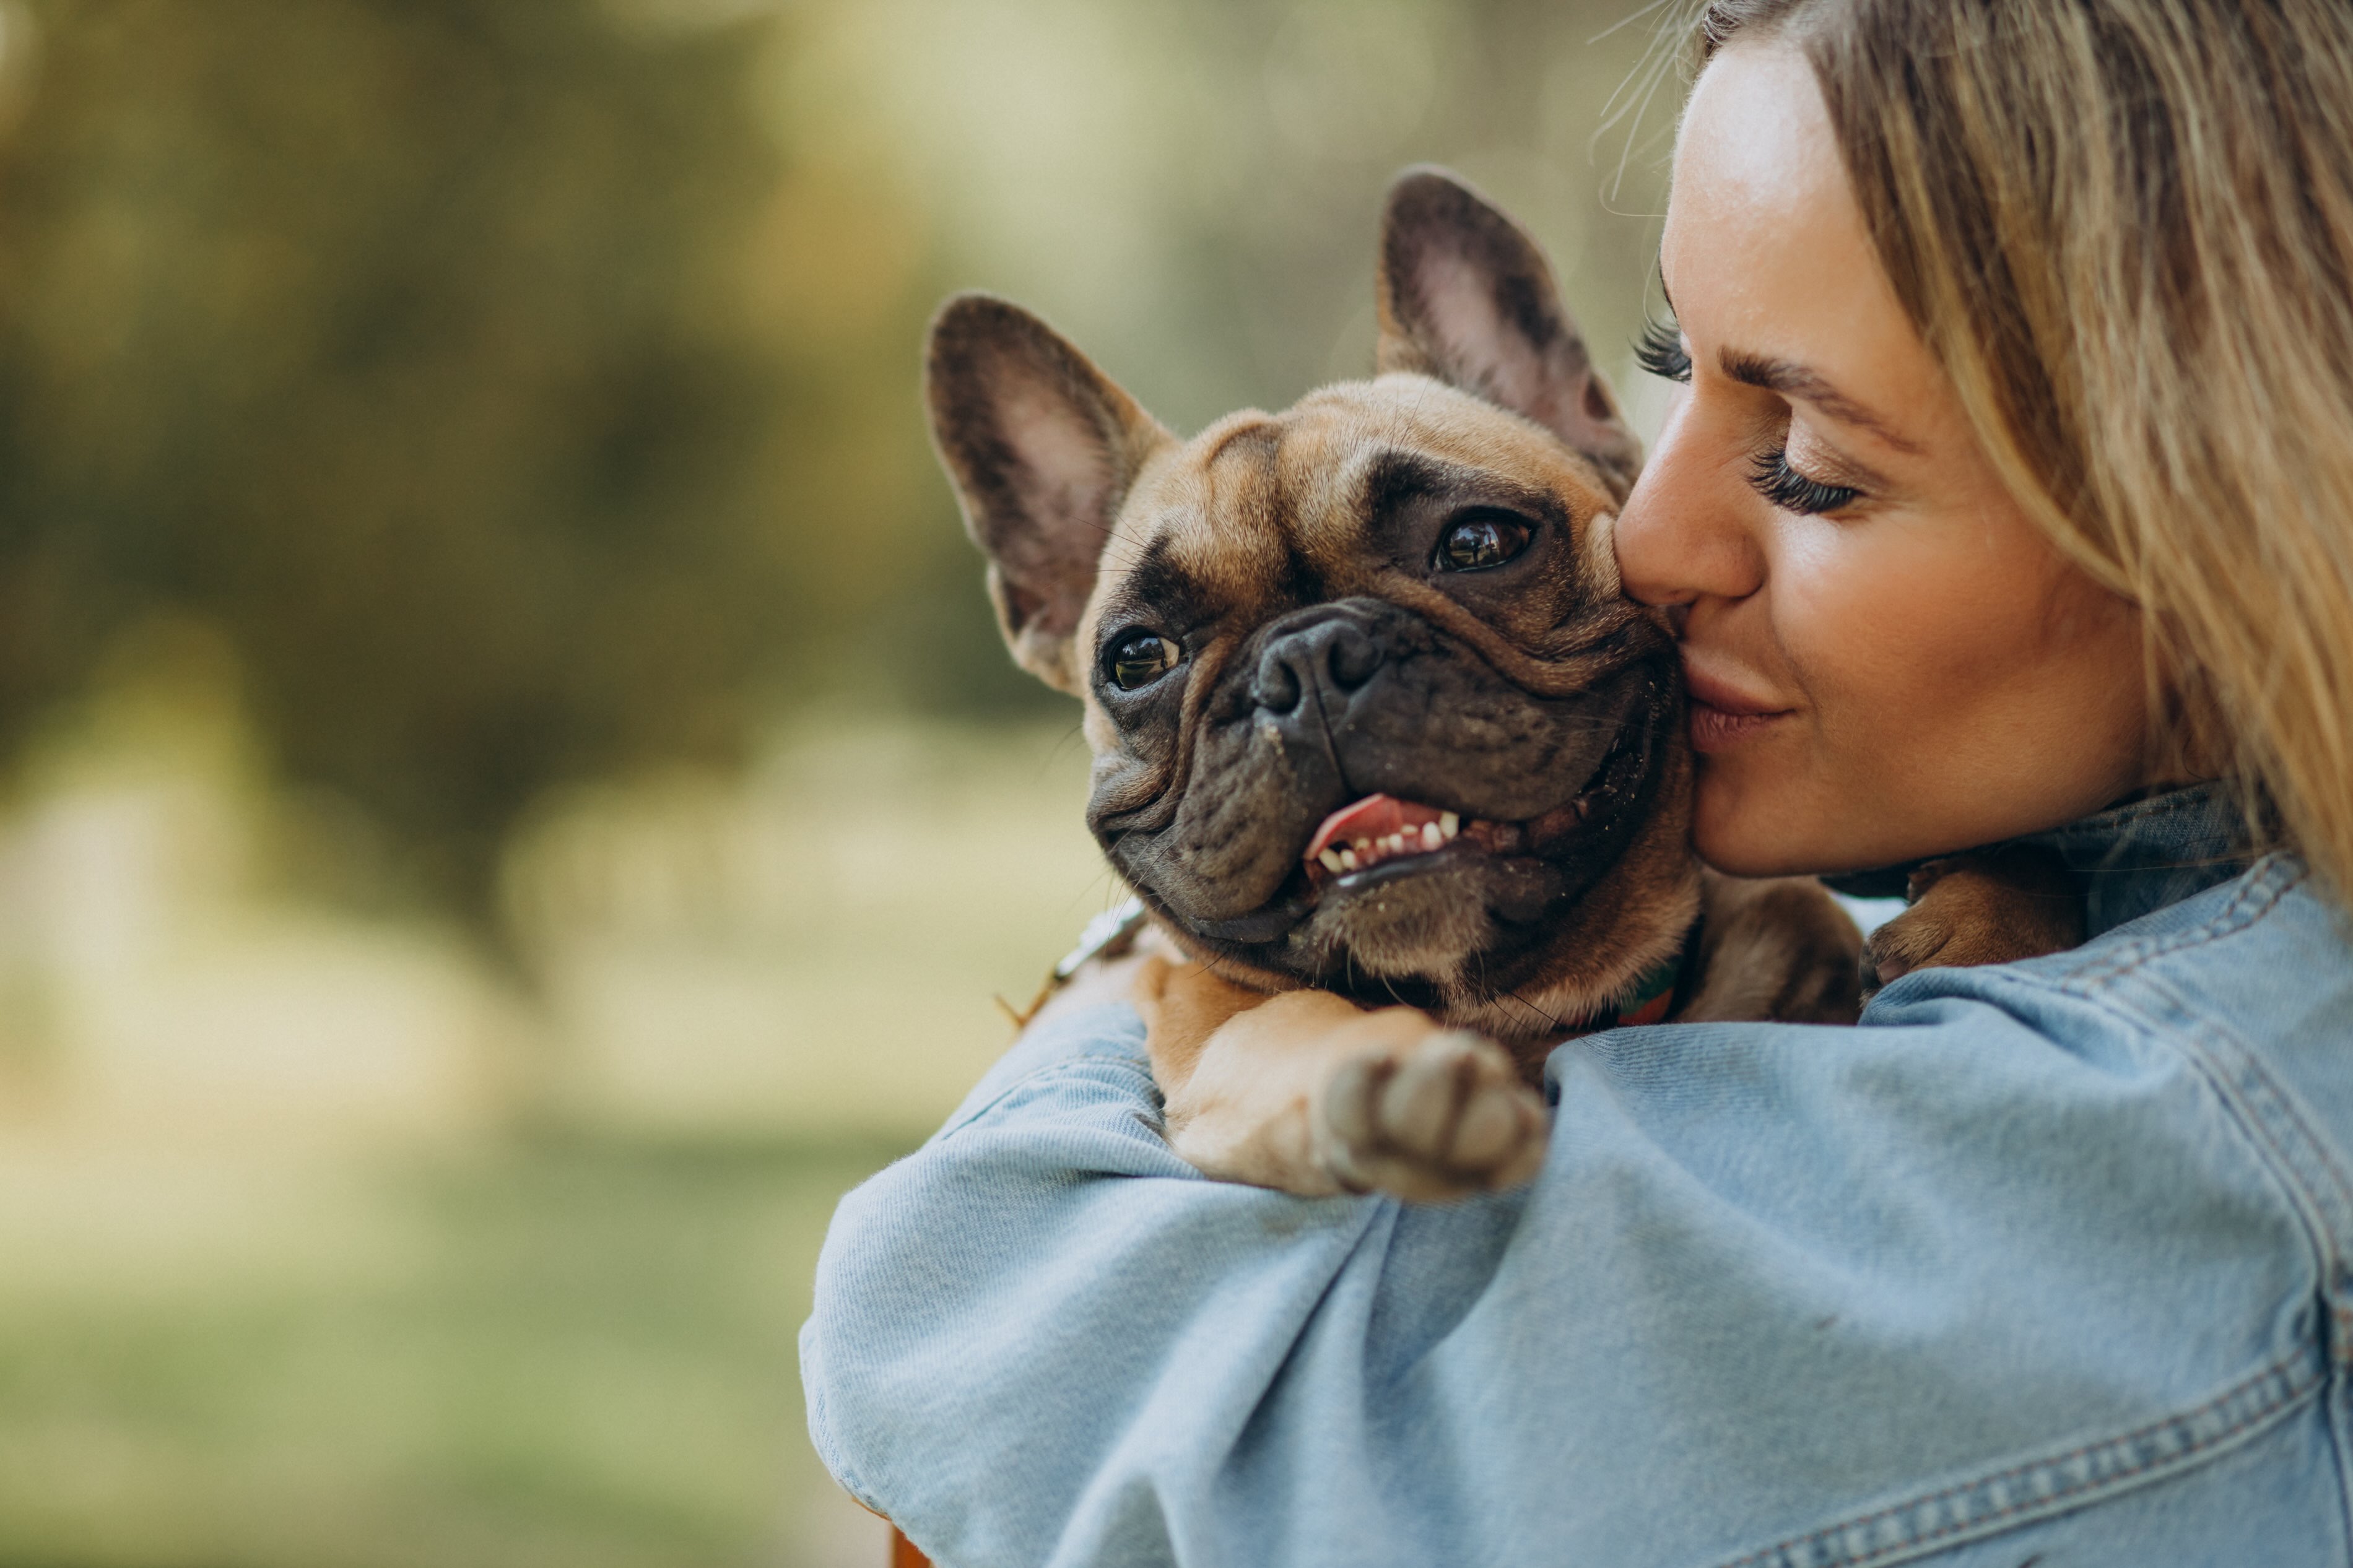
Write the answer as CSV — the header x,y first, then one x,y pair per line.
x,y
525,390
516,407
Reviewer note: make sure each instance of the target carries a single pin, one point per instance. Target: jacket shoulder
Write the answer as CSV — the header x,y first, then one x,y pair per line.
x,y
2251,983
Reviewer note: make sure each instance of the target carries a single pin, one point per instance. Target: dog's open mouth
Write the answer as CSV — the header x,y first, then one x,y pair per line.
x,y
1381,828
1517,870
1376,829
1381,832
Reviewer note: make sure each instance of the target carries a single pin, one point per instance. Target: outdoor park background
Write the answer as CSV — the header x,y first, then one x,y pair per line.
x,y
510,797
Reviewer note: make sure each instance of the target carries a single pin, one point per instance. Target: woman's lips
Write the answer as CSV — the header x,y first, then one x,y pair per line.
x,y
1722,715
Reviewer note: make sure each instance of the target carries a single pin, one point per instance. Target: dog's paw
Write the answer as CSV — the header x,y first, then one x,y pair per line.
x,y
1440,1118
1994,907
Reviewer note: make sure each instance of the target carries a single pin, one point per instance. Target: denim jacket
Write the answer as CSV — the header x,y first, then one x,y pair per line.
x,y
2044,1263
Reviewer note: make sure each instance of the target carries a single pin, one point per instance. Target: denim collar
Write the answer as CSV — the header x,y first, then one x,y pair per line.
x,y
2139,857
2133,858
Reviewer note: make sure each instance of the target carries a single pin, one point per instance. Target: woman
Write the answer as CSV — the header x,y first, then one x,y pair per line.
x,y
2014,479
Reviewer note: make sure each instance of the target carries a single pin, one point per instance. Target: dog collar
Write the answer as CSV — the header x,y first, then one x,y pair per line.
x,y
1648,1000
1111,934
1653,996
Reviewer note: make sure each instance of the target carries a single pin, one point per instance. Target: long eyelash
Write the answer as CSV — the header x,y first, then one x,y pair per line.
x,y
1793,491
1659,350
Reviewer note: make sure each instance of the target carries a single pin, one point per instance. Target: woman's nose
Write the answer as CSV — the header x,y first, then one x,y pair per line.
x,y
1683,534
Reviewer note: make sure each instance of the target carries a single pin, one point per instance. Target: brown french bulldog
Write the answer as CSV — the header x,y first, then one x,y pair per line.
x,y
1398,772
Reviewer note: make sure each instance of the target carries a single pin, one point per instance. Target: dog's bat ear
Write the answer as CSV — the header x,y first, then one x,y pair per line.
x,y
1465,296
1043,448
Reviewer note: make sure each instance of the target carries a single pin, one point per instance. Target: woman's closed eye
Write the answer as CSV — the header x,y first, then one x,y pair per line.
x,y
1660,350
1790,491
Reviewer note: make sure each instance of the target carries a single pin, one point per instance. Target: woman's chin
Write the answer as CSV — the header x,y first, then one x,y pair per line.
x,y
1744,829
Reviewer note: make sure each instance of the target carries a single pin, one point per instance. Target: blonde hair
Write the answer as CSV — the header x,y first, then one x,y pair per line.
x,y
2125,229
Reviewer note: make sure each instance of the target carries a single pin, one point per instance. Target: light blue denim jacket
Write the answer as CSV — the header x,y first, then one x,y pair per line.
x,y
2048,1263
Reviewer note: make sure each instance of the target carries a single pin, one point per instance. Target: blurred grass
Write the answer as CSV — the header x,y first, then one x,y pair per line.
x,y
325,1244
814,947
553,1351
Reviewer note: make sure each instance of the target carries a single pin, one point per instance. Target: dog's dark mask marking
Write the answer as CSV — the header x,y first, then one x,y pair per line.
x,y
1390,605
1293,704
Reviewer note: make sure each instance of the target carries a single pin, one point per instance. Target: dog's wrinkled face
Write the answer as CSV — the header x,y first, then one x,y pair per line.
x,y
1390,594
1367,710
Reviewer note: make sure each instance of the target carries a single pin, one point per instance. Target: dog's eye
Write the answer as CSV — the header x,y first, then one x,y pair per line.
x,y
1480,540
1138,658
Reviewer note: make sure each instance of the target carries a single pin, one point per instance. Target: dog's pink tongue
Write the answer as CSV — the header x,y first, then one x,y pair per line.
x,y
1375,817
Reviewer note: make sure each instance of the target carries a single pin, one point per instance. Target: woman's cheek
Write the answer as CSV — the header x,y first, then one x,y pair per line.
x,y
1841,625
1889,650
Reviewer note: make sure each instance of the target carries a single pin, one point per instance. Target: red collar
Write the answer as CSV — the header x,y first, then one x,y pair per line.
x,y
1648,1001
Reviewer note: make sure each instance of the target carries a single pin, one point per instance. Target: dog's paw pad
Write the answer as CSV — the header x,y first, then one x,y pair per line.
x,y
1439,1119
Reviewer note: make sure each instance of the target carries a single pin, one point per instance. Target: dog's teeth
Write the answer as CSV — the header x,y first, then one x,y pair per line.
x,y
1331,862
1449,825
1347,859
1584,807
1431,837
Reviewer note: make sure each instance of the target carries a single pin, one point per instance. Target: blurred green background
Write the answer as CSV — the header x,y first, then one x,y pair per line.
x,y
510,797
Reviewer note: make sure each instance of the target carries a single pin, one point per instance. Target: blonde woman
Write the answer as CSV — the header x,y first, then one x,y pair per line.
x,y
2011,497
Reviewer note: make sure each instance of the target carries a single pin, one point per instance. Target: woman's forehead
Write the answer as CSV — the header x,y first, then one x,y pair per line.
x,y
1768,263
1757,163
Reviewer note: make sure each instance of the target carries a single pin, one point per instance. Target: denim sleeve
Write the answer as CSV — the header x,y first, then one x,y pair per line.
x,y
1782,1295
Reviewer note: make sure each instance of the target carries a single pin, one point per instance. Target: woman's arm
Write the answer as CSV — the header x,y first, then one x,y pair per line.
x,y
2008,1252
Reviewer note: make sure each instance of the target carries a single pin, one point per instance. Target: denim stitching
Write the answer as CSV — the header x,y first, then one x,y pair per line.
x,y
2309,1164
2173,1442
2291,1109
2325,1215
2264,1104
2265,882
2325,1211
2267,1102
2271,1115
2162,1446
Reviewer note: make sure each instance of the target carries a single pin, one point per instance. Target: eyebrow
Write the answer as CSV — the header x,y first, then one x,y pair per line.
x,y
1795,380
1396,477
1790,379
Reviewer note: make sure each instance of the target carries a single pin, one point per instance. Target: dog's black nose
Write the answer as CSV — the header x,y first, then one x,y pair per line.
x,y
1335,653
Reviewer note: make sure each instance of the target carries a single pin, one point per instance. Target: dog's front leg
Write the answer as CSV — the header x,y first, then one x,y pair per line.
x,y
1306,1093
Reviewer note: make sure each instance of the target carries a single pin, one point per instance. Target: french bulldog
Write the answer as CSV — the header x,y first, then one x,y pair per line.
x,y
1398,772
